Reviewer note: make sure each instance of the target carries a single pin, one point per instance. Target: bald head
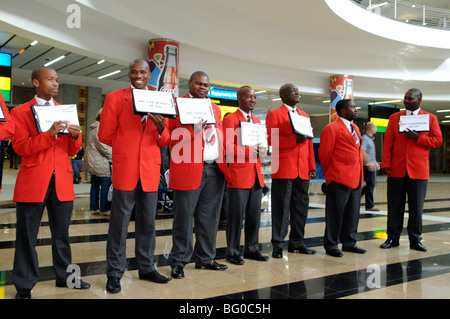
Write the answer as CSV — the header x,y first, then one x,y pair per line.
x,y
289,94
46,82
371,128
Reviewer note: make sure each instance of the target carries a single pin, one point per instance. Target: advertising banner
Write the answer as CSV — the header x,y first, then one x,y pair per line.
x,y
341,87
163,58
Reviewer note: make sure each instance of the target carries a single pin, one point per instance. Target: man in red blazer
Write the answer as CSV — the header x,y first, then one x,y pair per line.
x,y
44,180
198,171
340,154
293,165
405,162
135,141
245,183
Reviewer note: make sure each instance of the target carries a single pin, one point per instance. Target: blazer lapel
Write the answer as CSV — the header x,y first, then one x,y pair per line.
x,y
346,133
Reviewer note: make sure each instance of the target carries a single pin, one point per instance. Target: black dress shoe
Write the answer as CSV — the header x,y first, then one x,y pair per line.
x,y
277,252
302,250
256,256
389,243
354,249
113,285
155,277
213,265
177,272
23,294
417,246
236,260
81,285
334,253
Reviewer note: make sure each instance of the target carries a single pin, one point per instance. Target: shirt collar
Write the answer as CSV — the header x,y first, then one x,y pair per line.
x,y
245,114
346,122
408,112
42,101
290,108
131,85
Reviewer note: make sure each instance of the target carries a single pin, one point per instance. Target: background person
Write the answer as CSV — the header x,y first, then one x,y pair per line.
x,y
98,163
371,166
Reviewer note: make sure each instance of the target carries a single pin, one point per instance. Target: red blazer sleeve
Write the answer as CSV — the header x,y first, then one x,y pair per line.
x,y
327,139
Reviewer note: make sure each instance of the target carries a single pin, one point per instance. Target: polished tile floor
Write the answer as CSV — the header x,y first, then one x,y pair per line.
x,y
397,273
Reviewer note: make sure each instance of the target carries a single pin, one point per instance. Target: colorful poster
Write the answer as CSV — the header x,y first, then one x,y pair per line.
x,y
341,87
163,58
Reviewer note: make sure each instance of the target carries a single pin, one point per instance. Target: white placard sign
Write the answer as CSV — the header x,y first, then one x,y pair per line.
x,y
147,101
45,115
192,111
301,124
253,134
2,115
418,123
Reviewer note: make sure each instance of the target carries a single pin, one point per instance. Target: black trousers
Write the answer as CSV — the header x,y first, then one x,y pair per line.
x,y
397,189
122,205
26,267
200,208
243,202
289,202
342,208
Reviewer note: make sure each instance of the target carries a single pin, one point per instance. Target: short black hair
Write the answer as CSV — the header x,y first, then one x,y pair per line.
x,y
416,92
242,88
197,73
341,104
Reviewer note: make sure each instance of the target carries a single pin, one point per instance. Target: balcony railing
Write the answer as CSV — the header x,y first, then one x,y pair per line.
x,y
407,12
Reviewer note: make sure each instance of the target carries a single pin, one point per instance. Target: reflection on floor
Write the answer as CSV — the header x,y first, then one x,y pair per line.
x,y
379,274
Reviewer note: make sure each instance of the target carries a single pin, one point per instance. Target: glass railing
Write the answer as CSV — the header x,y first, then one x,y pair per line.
x,y
408,12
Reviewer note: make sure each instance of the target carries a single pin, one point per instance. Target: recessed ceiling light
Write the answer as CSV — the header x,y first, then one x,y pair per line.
x,y
109,74
34,42
101,61
385,102
55,60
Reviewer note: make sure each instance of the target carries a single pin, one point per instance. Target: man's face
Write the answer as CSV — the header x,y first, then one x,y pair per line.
x,y
139,74
199,86
46,84
411,101
247,100
290,95
350,111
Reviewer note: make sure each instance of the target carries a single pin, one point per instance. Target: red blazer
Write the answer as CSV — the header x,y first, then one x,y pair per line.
x,y
135,152
289,158
340,156
402,154
243,165
186,160
7,128
41,156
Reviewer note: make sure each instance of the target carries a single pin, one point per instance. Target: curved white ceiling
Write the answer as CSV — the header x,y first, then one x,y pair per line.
x,y
263,43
